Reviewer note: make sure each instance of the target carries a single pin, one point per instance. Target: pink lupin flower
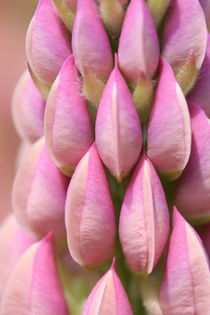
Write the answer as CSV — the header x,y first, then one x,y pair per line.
x,y
108,296
39,193
28,108
47,44
138,45
144,219
186,283
13,242
200,94
90,219
184,40
193,190
118,130
34,286
68,128
91,48
206,8
169,132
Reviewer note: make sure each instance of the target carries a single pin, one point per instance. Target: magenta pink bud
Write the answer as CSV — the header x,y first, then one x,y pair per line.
x,y
186,283
39,193
195,180
90,219
13,242
108,296
90,43
200,93
184,33
68,128
169,132
118,130
47,42
34,286
144,219
138,45
206,8
28,108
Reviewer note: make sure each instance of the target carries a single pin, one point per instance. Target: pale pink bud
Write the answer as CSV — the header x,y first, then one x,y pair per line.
x,y
206,8
28,108
13,242
193,189
47,43
108,296
90,43
186,283
68,128
144,219
184,40
34,286
200,93
138,45
39,193
169,132
90,219
118,130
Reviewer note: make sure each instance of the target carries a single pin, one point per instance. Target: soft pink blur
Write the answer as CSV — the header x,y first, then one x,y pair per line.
x,y
14,18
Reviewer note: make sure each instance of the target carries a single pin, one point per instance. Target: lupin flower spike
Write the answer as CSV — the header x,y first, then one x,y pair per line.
x,y
193,189
47,45
185,287
13,242
169,132
144,219
89,212
184,40
28,108
39,193
118,130
92,50
68,128
108,296
66,9
200,94
34,286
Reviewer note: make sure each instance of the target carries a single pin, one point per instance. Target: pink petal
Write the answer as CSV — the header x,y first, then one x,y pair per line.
x,y
47,42
193,189
169,132
34,286
68,129
28,108
118,130
39,193
186,283
138,45
108,296
144,219
90,220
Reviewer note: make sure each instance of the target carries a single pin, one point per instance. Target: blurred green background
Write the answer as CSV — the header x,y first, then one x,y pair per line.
x,y
15,16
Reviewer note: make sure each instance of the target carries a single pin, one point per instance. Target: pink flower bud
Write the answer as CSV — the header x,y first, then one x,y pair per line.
x,y
34,286
47,43
13,242
144,219
39,193
185,34
169,132
68,128
108,296
200,93
138,45
206,8
28,109
186,283
90,220
118,130
193,189
90,43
